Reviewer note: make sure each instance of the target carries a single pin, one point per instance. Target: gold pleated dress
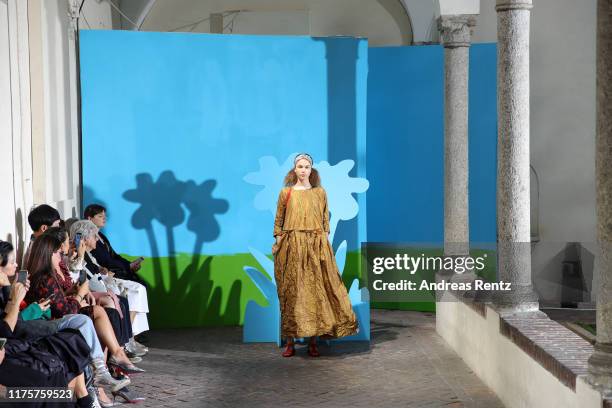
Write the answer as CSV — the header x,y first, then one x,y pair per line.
x,y
313,298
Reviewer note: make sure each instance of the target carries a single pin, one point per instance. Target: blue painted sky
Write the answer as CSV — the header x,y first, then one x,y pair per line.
x,y
205,108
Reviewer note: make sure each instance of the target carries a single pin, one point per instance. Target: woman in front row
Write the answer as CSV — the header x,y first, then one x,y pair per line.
x,y
47,278
57,360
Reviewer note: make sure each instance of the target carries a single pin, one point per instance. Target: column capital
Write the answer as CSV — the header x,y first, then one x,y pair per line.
x,y
505,5
456,30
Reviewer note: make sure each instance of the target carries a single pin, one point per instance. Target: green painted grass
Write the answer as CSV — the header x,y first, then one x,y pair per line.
x,y
209,290
213,290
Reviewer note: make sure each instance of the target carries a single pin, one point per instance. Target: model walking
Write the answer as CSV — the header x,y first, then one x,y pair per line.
x,y
313,299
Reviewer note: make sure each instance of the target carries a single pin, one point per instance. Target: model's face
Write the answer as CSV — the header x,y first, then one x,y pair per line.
x,y
303,169
99,219
11,265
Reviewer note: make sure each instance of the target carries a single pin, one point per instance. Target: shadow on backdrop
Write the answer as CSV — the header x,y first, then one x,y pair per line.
x,y
341,55
186,289
89,197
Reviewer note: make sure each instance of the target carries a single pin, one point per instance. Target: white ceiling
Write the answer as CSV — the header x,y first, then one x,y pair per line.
x,y
383,22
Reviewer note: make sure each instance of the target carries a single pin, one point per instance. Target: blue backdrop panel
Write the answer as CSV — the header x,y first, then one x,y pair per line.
x,y
207,108
186,140
405,144
483,143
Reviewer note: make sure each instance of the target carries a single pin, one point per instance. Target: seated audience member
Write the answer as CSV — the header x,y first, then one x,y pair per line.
x,y
47,278
105,254
134,291
40,218
33,321
104,299
57,360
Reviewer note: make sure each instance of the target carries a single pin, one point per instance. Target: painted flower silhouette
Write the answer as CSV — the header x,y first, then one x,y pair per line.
x,y
339,185
340,190
270,176
202,209
160,200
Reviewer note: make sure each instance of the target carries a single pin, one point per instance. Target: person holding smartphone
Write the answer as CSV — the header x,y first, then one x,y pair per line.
x,y
57,360
8,268
44,265
33,324
135,293
105,254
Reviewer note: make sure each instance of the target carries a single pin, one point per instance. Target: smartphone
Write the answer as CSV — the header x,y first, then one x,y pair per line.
x,y
82,276
140,259
2,342
77,240
22,276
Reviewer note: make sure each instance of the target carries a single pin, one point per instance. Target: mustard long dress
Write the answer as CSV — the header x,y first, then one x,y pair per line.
x,y
313,298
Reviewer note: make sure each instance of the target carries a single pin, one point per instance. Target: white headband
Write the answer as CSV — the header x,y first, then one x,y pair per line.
x,y
302,156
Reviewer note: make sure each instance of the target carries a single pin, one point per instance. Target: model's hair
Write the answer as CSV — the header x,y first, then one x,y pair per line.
x,y
5,249
92,210
314,179
42,215
58,232
86,228
39,262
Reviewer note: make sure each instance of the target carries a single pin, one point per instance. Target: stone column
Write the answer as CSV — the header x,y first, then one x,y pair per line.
x,y
455,33
600,363
513,218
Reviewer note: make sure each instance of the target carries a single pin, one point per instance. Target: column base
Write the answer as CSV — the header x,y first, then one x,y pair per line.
x,y
519,299
600,369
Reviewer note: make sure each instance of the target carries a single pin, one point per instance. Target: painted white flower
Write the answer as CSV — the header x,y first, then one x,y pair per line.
x,y
339,185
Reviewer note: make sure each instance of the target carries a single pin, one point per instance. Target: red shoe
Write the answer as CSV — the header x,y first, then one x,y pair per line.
x,y
290,350
313,351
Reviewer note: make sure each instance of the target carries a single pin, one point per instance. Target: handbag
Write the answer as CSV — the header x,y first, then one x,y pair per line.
x,y
276,245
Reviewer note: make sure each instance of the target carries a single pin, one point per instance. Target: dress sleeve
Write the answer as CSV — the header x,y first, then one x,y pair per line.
x,y
61,304
325,213
279,220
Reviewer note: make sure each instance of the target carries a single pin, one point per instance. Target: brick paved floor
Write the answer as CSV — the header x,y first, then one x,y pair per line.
x,y
406,365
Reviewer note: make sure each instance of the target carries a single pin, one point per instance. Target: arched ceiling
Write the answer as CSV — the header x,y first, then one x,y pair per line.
x,y
383,22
